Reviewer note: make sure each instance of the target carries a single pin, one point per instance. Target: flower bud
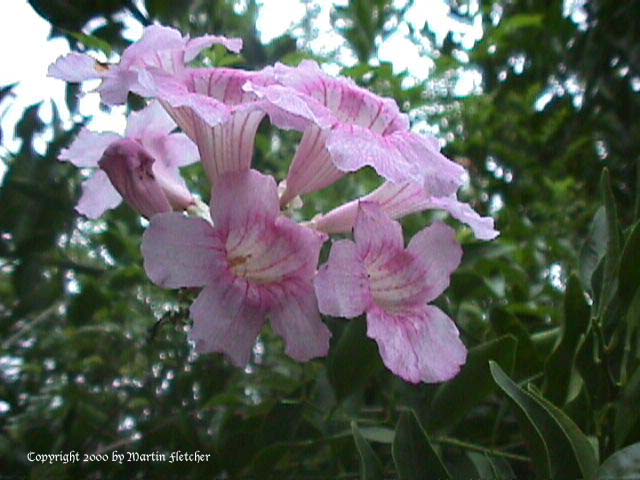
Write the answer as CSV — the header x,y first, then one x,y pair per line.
x,y
145,184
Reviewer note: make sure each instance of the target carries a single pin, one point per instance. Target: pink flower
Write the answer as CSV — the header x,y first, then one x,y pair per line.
x,y
399,200
160,48
212,108
377,275
143,167
348,128
253,263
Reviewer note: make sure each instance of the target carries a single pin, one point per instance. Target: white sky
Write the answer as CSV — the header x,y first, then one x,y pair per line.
x,y
25,54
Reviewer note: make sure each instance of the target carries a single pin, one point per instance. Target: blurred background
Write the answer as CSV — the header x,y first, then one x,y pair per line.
x,y
538,99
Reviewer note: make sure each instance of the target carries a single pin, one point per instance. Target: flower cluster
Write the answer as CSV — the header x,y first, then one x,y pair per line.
x,y
251,260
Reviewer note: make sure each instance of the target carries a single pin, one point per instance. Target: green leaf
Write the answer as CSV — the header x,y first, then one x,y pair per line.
x,y
629,273
455,398
370,465
558,447
354,360
560,364
413,454
491,468
378,434
627,411
622,465
92,42
612,258
528,361
594,248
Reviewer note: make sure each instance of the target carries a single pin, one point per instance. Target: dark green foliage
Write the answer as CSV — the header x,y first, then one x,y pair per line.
x,y
95,358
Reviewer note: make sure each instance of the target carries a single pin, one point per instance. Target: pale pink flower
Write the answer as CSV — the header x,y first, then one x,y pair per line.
x,y
161,49
357,129
393,285
212,108
253,263
399,200
147,159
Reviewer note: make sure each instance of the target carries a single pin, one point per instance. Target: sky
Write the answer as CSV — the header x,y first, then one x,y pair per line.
x,y
26,53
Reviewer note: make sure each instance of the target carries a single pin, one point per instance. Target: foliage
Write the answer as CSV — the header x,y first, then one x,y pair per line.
x,y
96,359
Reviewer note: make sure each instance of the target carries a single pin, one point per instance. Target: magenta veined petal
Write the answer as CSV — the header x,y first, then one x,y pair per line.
x,y
399,200
377,275
362,129
342,286
162,49
181,252
143,167
254,264
223,321
213,109
422,345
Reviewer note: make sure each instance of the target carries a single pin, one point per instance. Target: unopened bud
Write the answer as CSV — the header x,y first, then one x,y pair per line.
x,y
144,183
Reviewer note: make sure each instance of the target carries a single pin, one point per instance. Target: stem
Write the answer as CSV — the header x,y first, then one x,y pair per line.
x,y
477,448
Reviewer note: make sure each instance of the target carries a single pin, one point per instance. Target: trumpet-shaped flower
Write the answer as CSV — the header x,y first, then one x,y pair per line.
x,y
358,129
143,166
253,264
160,48
213,109
399,200
393,285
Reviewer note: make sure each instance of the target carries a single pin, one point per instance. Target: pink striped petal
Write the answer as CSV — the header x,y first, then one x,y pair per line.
x,y
98,196
212,108
223,321
242,198
312,168
398,157
400,199
87,148
342,285
375,232
180,251
422,345
289,109
298,322
437,249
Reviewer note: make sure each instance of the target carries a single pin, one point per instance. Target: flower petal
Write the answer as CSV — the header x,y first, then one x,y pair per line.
x,y
400,199
180,251
98,196
375,231
223,321
312,168
439,252
398,157
87,148
420,346
483,227
130,169
196,45
76,67
341,285
151,121
298,321
173,151
241,197
289,109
